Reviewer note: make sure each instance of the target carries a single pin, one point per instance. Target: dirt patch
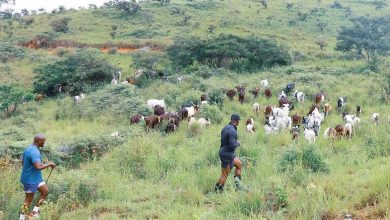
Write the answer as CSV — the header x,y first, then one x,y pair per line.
x,y
122,47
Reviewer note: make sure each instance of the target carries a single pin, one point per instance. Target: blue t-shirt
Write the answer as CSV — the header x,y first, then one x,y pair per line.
x,y
30,175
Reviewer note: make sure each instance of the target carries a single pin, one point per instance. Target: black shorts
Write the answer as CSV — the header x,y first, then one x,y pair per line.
x,y
227,161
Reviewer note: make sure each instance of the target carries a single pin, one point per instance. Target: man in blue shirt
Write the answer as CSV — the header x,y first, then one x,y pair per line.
x,y
31,177
229,143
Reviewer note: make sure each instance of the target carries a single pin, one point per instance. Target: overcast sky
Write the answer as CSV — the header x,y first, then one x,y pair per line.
x,y
51,4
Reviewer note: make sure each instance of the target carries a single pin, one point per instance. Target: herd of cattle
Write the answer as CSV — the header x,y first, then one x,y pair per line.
x,y
277,119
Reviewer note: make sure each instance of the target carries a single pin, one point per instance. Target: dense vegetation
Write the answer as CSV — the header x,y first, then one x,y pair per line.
x,y
340,47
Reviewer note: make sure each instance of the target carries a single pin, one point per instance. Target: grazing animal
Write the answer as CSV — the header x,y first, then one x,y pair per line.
x,y
115,134
348,130
184,113
296,120
355,122
250,125
241,97
114,81
339,131
255,92
158,110
152,121
171,127
39,97
264,83
256,108
267,93
204,122
358,110
180,79
341,102
78,98
375,118
231,93
283,102
153,102
268,110
202,103
295,131
135,119
327,109
289,88
299,96
191,111
171,116
319,97
313,123
349,118
280,112
283,123
310,135
203,97
330,133
315,113
282,95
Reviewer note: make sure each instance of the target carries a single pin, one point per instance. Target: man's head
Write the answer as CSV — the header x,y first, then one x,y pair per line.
x,y
235,119
39,140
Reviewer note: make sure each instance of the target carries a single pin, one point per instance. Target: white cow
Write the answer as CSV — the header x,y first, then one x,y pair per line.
x,y
264,83
115,134
348,130
153,102
78,98
375,118
310,136
349,118
192,111
256,108
299,96
114,81
250,124
282,95
204,122
283,123
280,112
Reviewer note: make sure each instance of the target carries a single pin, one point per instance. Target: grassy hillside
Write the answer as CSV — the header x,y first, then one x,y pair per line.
x,y
152,175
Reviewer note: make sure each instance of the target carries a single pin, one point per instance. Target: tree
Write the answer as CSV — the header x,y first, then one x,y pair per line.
x,y
81,72
25,12
129,7
321,42
61,8
367,37
147,20
379,4
6,14
92,6
61,25
348,12
322,25
289,5
11,98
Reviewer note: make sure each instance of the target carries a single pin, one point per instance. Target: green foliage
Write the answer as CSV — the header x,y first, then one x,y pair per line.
x,y
367,37
310,160
216,97
229,51
150,61
11,98
117,100
9,52
129,7
61,25
212,112
84,71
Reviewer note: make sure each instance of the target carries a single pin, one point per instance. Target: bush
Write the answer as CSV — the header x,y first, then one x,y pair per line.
x,y
311,161
194,130
9,52
212,112
228,51
11,98
216,97
61,25
81,72
117,100
113,50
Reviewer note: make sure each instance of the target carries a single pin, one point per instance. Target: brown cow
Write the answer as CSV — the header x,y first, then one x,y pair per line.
x,y
171,116
135,119
241,97
39,97
152,121
231,93
330,133
268,110
171,127
255,92
320,97
267,93
296,119
283,101
159,110
184,113
339,129
327,109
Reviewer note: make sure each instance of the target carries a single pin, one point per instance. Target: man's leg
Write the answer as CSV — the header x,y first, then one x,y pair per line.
x,y
238,166
44,191
222,179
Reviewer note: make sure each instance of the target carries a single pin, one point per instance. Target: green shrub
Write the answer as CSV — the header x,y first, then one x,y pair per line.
x,y
61,25
212,112
194,130
289,160
113,50
311,160
84,71
11,98
9,52
228,51
216,97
